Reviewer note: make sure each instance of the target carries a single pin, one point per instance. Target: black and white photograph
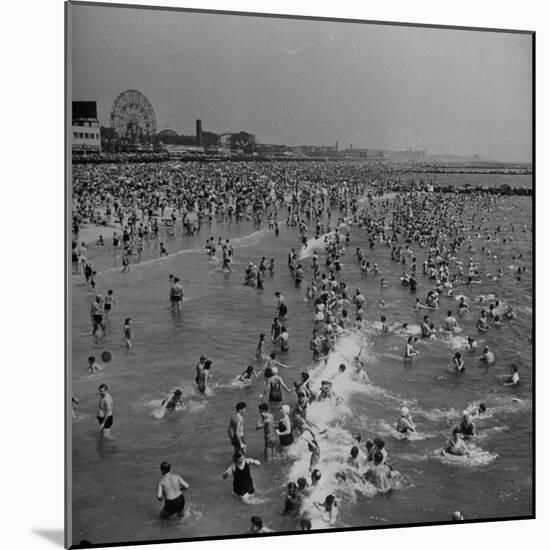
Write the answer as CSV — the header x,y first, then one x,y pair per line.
x,y
300,274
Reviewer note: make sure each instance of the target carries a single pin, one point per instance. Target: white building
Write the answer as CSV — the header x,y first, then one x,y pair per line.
x,y
86,137
85,131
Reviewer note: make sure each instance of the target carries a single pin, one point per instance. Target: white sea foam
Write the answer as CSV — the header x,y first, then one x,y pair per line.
x,y
335,441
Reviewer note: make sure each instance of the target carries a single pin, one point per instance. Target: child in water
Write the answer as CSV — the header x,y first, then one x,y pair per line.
x,y
328,508
247,375
92,365
127,335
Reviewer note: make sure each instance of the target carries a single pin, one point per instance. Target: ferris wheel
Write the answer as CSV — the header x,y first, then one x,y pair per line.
x,y
133,117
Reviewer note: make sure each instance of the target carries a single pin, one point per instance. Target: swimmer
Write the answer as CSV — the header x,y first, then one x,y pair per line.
x,y
314,449
328,509
377,445
463,307
105,410
283,339
108,303
458,362
240,471
273,385
466,426
96,313
92,365
456,445
510,314
281,310
487,356
353,458
74,401
292,500
405,423
360,370
450,324
384,329
127,335
204,375
267,423
235,430
513,379
482,323
378,473
284,429
170,488
425,327
176,295
247,375
198,367
257,526
325,391
476,411
174,401
410,352
471,344
315,478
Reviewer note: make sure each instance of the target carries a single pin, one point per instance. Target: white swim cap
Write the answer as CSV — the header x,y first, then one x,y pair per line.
x,y
285,409
404,411
274,370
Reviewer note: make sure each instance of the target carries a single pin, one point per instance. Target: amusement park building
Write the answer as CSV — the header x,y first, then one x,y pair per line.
x,y
85,131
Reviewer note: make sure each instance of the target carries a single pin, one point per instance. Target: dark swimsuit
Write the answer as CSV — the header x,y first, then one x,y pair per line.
x,y
275,394
174,506
287,439
242,481
467,429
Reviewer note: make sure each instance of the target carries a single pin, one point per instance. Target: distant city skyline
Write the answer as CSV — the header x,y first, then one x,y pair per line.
x,y
304,82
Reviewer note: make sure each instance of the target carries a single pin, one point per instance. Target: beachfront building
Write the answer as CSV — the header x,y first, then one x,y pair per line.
x,y
85,129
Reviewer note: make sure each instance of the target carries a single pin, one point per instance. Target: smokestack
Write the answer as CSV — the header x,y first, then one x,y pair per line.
x,y
198,133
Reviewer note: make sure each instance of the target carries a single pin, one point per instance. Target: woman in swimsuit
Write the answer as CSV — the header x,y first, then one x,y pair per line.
x,y
284,429
273,386
240,470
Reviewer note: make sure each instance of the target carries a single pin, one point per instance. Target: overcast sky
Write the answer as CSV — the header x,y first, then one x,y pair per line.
x,y
312,82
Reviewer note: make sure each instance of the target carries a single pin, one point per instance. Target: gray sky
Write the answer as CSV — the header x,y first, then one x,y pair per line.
x,y
312,82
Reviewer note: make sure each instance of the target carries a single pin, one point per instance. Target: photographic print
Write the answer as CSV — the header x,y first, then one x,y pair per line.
x,y
299,274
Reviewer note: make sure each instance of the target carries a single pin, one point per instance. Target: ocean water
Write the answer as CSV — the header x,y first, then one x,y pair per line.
x,y
114,482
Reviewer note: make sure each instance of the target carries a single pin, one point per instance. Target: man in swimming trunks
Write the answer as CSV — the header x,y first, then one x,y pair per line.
x,y
235,430
450,324
105,410
170,489
176,295
96,312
